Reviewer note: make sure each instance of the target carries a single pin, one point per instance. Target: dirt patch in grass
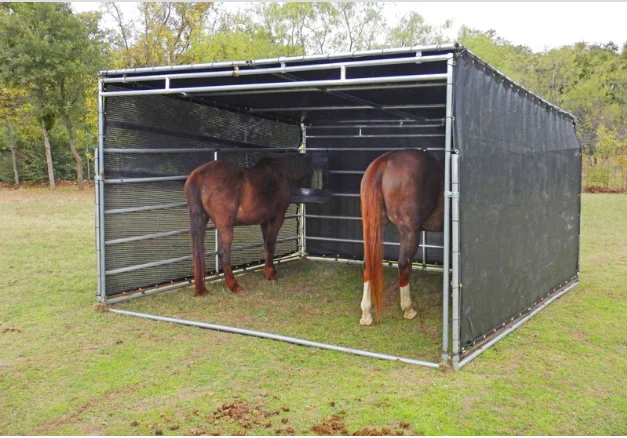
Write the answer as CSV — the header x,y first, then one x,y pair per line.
x,y
600,189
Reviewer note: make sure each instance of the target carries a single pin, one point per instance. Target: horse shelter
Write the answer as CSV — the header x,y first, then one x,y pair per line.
x,y
512,184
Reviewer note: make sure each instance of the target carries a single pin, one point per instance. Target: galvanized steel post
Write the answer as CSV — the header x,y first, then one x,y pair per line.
x,y
447,187
455,251
303,213
99,188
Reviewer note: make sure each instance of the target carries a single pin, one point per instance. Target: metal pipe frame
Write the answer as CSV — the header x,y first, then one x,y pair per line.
x,y
144,180
340,149
336,239
186,283
216,233
386,263
280,85
289,339
340,122
303,207
193,150
450,63
168,234
343,65
458,364
145,208
373,126
377,136
99,187
345,107
189,257
339,88
97,225
286,59
456,298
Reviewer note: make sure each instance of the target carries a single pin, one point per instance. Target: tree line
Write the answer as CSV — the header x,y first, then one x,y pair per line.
x,y
50,56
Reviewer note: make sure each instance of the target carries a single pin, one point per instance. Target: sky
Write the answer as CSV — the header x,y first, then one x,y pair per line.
x,y
540,26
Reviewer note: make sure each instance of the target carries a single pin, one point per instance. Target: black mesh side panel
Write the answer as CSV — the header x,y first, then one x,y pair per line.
x,y
340,183
520,170
155,123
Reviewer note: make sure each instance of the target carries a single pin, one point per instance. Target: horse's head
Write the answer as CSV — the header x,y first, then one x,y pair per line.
x,y
296,166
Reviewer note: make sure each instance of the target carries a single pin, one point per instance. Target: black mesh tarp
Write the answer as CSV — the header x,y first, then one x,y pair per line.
x,y
520,167
154,123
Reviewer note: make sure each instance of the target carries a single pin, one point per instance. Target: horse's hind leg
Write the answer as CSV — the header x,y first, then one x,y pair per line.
x,y
270,232
225,237
409,246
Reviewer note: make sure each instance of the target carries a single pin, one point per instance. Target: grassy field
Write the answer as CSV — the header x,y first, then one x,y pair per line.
x,y
66,368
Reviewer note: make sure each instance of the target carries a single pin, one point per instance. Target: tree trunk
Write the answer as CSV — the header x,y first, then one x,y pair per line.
x,y
75,154
48,156
13,153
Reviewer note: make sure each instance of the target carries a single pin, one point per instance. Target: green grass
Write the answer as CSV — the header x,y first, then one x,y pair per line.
x,y
66,368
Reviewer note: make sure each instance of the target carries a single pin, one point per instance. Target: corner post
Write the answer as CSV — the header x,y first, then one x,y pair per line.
x,y
447,214
302,219
99,192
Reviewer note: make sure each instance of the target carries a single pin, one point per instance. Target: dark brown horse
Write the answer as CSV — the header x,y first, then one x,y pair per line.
x,y
407,189
230,196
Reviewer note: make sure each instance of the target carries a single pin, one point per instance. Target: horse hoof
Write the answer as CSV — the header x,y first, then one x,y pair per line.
x,y
366,320
201,293
238,289
410,314
271,277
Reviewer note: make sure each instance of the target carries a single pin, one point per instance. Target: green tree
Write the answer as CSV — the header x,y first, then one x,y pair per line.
x,y
165,33
53,54
12,106
412,29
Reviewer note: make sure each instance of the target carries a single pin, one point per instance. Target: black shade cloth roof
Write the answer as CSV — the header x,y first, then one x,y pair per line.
x,y
313,104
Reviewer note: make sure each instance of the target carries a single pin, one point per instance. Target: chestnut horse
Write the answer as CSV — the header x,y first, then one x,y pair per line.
x,y
405,188
232,195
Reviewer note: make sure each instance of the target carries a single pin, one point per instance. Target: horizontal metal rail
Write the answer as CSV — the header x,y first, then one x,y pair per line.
x,y
340,149
385,263
237,72
142,180
321,216
457,364
345,107
335,239
339,122
339,88
145,208
345,195
193,150
149,236
279,85
127,296
347,172
266,335
189,257
374,125
167,234
376,136
287,59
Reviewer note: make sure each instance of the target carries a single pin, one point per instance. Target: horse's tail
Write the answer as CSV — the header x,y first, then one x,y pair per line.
x,y
371,211
198,219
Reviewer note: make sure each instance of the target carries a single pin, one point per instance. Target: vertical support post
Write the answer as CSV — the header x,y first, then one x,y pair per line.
x,y
423,238
455,250
97,224
302,228
99,187
217,244
447,215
